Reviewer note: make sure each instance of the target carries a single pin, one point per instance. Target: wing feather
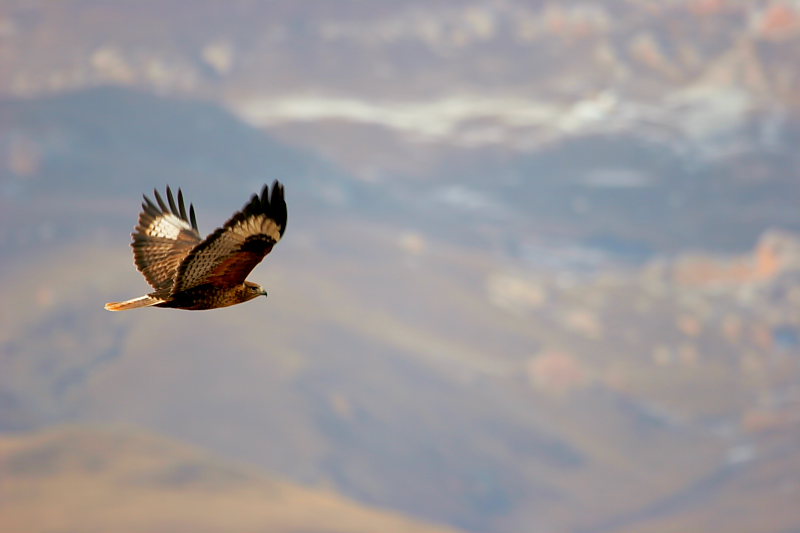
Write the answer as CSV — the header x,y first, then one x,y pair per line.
x,y
228,255
163,238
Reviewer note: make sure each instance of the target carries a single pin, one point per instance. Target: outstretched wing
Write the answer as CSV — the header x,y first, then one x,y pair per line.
x,y
163,238
227,256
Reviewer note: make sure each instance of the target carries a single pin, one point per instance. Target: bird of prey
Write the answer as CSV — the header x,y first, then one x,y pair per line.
x,y
188,272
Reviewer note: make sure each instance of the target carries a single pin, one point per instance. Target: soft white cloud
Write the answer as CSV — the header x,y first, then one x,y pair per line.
x,y
472,120
433,119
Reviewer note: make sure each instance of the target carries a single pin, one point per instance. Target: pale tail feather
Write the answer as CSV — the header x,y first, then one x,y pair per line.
x,y
142,301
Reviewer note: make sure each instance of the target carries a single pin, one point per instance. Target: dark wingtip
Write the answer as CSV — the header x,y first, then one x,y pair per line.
x,y
192,218
148,203
171,199
277,192
181,205
160,201
278,204
149,207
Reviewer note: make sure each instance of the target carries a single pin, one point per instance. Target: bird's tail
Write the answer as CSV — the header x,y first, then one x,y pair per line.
x,y
142,301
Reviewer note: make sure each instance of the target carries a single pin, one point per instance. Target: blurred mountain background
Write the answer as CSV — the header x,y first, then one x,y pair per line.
x,y
541,272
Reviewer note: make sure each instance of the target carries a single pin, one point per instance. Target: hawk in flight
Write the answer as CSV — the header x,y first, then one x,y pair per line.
x,y
188,272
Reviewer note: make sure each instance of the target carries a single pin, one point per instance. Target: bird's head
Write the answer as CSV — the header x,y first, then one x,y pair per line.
x,y
253,290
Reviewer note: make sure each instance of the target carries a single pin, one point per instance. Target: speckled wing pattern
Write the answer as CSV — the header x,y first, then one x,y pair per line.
x,y
228,255
163,238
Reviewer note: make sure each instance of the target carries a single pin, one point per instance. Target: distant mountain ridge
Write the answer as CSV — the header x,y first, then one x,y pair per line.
x,y
108,139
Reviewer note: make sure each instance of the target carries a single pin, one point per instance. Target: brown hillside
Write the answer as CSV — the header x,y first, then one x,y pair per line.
x,y
86,479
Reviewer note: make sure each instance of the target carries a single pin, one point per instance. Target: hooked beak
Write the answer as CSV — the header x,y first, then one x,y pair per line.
x,y
264,292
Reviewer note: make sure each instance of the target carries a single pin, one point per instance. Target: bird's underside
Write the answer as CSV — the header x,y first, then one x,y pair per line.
x,y
187,272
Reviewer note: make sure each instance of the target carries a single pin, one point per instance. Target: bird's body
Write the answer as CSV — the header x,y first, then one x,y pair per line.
x,y
188,272
209,296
